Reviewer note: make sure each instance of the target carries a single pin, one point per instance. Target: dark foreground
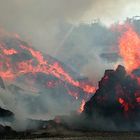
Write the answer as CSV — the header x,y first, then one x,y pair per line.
x,y
76,136
94,138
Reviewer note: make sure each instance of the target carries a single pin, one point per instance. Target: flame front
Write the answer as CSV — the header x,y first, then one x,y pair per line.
x,y
35,65
129,45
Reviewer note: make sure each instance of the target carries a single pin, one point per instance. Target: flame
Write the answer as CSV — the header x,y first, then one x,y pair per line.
x,y
124,104
129,45
9,52
138,99
81,109
54,69
35,65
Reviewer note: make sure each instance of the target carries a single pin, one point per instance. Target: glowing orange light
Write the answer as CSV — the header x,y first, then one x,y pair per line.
x,y
129,45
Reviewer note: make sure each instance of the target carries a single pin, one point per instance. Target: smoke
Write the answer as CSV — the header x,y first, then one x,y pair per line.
x,y
49,24
28,106
83,48
111,10
54,27
40,21
9,102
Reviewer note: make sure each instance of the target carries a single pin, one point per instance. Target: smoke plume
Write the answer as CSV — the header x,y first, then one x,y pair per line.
x,y
47,24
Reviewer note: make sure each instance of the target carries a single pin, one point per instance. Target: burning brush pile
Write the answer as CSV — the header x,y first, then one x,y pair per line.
x,y
116,104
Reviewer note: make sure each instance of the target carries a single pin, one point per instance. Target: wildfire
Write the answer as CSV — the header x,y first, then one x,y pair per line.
x,y
37,64
129,45
54,69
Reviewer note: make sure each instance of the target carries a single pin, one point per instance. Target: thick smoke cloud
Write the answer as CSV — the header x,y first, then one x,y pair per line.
x,y
47,24
39,21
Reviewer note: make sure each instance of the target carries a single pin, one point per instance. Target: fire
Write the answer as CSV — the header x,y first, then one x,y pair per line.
x,y
121,101
54,69
124,104
81,109
129,45
9,52
37,64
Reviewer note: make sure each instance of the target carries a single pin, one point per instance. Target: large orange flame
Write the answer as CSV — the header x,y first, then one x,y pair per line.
x,y
129,45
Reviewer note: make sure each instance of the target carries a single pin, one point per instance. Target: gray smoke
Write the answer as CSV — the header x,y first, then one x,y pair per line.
x,y
40,21
54,27
49,25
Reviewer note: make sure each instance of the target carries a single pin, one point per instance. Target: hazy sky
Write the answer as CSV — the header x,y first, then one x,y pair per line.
x,y
46,11
39,20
